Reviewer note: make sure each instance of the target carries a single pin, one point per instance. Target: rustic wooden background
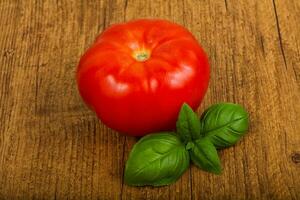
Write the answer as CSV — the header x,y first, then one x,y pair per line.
x,y
53,147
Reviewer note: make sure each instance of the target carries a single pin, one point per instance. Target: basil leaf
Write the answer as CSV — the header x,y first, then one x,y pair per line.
x,y
156,159
224,124
205,156
188,124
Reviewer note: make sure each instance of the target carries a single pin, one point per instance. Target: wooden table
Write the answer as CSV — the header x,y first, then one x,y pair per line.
x,y
53,147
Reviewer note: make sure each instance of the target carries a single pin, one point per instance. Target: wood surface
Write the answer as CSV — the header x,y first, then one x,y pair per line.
x,y
53,147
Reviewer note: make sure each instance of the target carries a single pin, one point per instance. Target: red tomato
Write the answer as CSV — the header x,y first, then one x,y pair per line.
x,y
137,75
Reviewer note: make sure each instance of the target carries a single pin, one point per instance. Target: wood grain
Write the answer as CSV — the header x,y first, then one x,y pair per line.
x,y
53,147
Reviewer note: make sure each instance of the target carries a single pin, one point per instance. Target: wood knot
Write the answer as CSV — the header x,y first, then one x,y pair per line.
x,y
9,53
295,157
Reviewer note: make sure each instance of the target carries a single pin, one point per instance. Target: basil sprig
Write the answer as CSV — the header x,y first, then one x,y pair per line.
x,y
161,158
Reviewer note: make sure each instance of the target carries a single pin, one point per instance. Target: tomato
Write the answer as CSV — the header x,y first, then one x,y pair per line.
x,y
137,75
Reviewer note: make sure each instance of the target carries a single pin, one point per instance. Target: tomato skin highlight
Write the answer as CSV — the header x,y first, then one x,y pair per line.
x,y
137,75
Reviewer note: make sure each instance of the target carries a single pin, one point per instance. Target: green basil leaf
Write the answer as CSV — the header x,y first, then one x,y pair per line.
x,y
224,124
205,156
157,159
188,124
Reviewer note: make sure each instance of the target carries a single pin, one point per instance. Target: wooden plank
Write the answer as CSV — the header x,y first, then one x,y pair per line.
x,y
248,68
170,10
52,146
287,21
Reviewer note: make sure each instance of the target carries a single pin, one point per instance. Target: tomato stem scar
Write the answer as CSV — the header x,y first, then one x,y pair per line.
x,y
141,55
